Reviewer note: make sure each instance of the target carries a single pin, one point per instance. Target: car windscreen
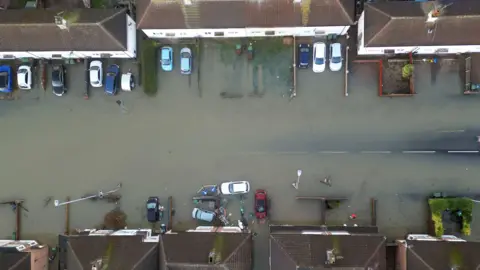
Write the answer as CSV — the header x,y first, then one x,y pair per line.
x,y
185,55
151,205
56,79
336,60
3,79
304,50
260,205
21,71
230,188
319,61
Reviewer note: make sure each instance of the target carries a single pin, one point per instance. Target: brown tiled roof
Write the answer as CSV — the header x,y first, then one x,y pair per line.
x,y
158,14
442,255
120,252
293,251
11,259
35,30
199,245
404,24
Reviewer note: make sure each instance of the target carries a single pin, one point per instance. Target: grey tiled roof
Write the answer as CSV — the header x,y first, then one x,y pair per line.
x,y
155,14
404,24
89,30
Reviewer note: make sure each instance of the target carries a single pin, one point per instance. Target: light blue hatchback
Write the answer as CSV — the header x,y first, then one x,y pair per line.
x,y
167,58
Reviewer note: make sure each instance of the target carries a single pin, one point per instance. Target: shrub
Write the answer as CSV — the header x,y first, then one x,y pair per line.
x,y
148,60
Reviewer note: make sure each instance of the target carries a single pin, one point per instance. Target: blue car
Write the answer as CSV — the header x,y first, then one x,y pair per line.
x,y
166,58
111,79
6,79
303,55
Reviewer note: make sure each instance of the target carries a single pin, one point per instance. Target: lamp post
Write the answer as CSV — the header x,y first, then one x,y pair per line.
x,y
295,184
99,195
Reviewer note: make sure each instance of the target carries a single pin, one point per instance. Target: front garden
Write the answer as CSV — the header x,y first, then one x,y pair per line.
x,y
460,208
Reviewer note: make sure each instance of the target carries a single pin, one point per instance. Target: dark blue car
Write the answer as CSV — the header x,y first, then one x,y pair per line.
x,y
303,55
111,79
6,79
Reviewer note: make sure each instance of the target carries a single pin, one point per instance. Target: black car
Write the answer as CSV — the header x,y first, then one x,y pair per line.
x,y
153,209
303,55
58,80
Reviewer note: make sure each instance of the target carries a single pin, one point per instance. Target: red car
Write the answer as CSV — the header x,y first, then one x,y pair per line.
x,y
261,208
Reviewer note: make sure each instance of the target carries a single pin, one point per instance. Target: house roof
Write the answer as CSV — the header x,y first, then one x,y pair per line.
x,y
12,259
88,30
291,251
199,246
403,23
163,14
120,252
442,254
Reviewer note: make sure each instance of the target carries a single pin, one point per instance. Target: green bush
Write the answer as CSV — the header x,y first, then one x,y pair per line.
x,y
148,58
437,206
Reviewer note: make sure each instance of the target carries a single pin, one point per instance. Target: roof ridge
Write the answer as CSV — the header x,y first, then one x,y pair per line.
x,y
74,253
381,11
419,257
249,236
19,262
344,10
375,251
381,30
140,20
144,256
283,250
113,15
110,34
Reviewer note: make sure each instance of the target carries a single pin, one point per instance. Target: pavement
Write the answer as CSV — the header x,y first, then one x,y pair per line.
x,y
172,144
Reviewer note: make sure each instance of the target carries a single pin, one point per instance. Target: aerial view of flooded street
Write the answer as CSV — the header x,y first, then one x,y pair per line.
x,y
395,150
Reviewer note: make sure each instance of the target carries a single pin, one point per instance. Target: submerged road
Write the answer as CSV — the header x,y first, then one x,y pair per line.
x,y
172,144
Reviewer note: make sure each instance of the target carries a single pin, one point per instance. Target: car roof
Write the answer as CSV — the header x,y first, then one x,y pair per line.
x,y
239,186
319,49
335,48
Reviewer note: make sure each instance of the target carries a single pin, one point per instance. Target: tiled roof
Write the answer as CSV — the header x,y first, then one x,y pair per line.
x,y
190,250
158,14
119,252
442,255
399,23
290,251
11,259
89,30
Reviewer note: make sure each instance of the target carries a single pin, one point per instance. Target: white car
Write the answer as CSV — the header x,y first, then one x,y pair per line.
x,y
96,73
231,188
336,57
319,55
24,77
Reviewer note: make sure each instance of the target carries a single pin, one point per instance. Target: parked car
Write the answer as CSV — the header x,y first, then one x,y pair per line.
x,y
319,55
231,188
261,204
111,79
336,57
166,58
153,209
24,77
303,55
186,61
6,79
203,215
96,73
58,80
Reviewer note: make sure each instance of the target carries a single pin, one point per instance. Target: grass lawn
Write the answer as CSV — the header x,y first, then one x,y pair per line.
x,y
98,3
148,50
437,206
